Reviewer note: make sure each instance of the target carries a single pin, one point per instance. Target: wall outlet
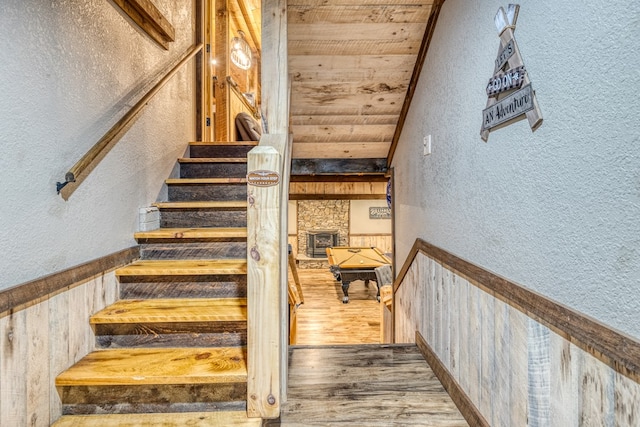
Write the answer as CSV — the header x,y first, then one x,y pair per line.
x,y
426,145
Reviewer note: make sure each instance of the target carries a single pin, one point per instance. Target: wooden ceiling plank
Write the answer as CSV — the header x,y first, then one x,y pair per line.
x,y
367,109
310,75
337,62
343,133
401,13
340,139
239,23
349,88
312,120
253,27
354,47
344,150
385,31
318,3
386,102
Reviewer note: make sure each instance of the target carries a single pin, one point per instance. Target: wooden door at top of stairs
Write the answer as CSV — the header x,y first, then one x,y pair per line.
x,y
176,340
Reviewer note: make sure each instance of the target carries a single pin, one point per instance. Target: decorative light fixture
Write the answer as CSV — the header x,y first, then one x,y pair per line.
x,y
241,52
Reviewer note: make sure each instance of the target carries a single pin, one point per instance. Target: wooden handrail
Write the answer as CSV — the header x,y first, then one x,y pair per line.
x,y
95,151
615,349
234,87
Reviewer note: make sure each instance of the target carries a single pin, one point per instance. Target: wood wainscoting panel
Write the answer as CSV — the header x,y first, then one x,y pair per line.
x,y
40,340
513,368
627,396
406,302
463,332
13,353
538,378
488,359
502,367
519,367
566,360
37,363
384,242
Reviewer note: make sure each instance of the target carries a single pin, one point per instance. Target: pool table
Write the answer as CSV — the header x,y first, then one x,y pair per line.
x,y
355,263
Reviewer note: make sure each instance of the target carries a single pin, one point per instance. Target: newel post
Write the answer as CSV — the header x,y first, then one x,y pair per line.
x,y
263,283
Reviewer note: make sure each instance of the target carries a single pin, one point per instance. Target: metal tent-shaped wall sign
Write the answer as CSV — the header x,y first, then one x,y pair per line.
x,y
510,96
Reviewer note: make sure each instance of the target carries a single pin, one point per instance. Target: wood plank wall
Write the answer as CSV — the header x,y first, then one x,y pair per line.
x,y
337,190
384,242
515,370
41,339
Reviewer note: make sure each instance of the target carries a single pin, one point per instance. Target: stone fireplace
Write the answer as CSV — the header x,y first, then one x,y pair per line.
x,y
315,216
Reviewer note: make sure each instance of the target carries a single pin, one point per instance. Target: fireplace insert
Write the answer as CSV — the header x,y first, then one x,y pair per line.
x,y
319,240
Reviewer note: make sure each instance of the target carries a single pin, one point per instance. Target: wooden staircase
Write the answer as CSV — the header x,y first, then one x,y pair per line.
x,y
173,348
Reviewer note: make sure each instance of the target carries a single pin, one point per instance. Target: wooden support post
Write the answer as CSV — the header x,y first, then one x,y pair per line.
x,y
275,69
221,71
264,294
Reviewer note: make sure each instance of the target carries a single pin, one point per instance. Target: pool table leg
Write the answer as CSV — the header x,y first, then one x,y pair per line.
x,y
345,291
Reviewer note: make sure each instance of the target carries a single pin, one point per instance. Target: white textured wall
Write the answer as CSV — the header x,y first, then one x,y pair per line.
x,y
557,210
68,71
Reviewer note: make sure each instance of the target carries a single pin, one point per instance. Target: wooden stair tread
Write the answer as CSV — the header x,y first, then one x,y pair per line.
x,y
173,419
194,233
173,310
183,267
168,366
201,205
195,181
212,160
223,143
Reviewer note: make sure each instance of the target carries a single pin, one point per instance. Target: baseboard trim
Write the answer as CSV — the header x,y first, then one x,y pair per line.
x,y
459,397
25,293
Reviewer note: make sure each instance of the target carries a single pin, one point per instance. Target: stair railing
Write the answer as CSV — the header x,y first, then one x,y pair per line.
x,y
97,152
268,167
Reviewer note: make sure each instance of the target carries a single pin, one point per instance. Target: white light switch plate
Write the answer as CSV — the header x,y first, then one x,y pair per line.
x,y
426,143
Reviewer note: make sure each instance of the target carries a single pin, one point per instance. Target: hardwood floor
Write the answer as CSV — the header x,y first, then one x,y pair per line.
x,y
324,320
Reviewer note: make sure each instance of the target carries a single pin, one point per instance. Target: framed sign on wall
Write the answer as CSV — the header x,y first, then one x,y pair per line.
x,y
509,91
379,213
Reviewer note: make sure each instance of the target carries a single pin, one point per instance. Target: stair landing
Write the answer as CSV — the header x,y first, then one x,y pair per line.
x,y
365,385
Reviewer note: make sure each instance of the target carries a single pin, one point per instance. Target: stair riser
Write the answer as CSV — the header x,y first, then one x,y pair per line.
x,y
178,218
163,335
150,398
212,250
213,170
222,151
227,286
207,192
